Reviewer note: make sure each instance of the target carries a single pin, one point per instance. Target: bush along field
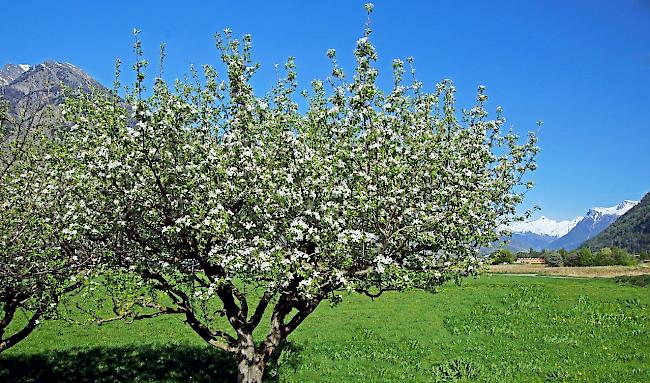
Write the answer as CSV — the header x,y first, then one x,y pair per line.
x,y
497,328
582,257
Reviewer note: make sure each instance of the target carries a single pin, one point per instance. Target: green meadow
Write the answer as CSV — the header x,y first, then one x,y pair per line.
x,y
497,328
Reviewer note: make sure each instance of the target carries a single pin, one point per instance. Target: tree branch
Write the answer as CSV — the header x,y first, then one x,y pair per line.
x,y
23,333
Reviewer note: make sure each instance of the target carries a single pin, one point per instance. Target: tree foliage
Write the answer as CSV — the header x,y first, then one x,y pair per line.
x,y
603,257
37,263
554,259
211,201
502,256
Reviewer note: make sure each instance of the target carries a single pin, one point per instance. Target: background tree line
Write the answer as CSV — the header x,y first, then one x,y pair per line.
x,y
583,256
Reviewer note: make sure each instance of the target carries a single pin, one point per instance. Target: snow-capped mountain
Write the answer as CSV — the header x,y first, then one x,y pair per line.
x,y
596,220
546,233
631,231
538,234
618,210
10,72
545,226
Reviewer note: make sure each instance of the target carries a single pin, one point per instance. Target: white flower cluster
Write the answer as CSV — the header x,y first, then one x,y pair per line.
x,y
38,259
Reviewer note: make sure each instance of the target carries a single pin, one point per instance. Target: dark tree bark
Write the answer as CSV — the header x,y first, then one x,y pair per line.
x,y
10,306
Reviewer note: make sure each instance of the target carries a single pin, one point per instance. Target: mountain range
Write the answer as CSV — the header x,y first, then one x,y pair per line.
x,y
538,234
545,233
630,232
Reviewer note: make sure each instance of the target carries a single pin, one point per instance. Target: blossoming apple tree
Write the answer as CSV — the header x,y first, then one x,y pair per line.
x,y
233,209
38,265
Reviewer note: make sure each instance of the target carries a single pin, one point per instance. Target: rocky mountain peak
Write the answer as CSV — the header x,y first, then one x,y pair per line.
x,y
11,72
42,84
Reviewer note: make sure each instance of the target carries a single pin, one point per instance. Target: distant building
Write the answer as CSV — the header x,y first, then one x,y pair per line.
x,y
531,261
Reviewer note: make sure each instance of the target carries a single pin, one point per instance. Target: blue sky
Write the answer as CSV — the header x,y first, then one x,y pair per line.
x,y
583,67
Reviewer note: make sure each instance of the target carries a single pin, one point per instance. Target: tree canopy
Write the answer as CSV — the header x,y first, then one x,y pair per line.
x,y
214,202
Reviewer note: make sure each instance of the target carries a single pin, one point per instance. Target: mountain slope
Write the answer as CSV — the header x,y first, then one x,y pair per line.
x,y
34,87
630,232
522,242
596,220
10,72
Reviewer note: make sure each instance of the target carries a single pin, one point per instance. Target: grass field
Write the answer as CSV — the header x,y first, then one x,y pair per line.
x,y
498,328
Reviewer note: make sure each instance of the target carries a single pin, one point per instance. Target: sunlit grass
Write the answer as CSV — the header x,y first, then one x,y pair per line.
x,y
498,328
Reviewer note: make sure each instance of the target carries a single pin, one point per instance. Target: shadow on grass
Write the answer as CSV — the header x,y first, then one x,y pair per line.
x,y
634,280
144,363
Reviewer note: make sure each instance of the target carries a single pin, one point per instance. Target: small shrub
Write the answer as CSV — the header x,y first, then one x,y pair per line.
x,y
502,256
